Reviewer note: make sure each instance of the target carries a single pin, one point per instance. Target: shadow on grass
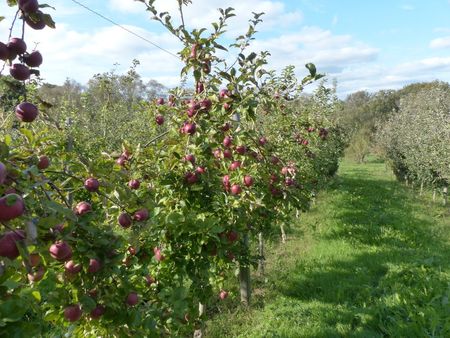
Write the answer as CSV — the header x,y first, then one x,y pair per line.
x,y
382,260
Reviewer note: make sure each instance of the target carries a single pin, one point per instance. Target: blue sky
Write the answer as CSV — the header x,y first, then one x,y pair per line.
x,y
365,45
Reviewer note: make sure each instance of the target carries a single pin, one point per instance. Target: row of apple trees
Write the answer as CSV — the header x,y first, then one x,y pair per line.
x,y
130,242
415,140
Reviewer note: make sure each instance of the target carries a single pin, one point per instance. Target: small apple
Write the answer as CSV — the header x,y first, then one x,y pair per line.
x,y
125,220
194,51
262,141
275,160
200,170
190,128
36,276
121,160
235,165
160,101
158,255
232,236
43,163
206,104
8,246
94,266
191,177
28,6
141,215
4,52
226,127
248,180
223,294
227,153
241,150
226,106
224,93
199,88
11,206
26,112
226,180
91,184
217,153
150,280
19,71
61,251
159,120
83,208
34,259
227,141
134,184
72,268
289,181
73,313
34,59
132,299
190,158
98,311
236,189
17,45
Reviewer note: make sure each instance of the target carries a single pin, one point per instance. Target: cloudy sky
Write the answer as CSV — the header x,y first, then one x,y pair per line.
x,y
365,45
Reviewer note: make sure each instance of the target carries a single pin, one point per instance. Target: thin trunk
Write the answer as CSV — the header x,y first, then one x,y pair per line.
x,y
198,333
406,180
445,193
244,278
421,188
261,259
283,234
434,195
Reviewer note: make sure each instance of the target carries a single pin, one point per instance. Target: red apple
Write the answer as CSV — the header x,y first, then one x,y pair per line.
x,y
141,215
224,93
194,51
17,45
149,280
132,299
34,259
160,101
158,255
191,177
3,173
44,162
200,170
285,171
72,313
26,112
61,251
8,246
199,88
19,72
236,189
72,268
217,153
190,128
275,160
289,181
235,165
28,6
190,158
248,180
159,119
232,236
226,127
94,266
227,141
227,153
305,142
83,208
206,104
4,52
226,106
98,311
226,180
223,294
34,59
11,206
134,184
262,141
241,150
125,220
121,160
91,184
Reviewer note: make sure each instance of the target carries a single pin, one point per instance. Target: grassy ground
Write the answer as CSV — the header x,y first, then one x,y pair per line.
x,y
372,259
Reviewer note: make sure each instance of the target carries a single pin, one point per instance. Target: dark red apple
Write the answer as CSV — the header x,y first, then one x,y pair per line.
x,y
206,104
44,162
98,311
235,165
232,236
8,246
227,141
94,266
248,180
91,184
83,208
73,313
305,142
125,220
3,173
226,127
61,251
226,180
159,119
199,88
226,106
200,170
37,275
236,189
19,72
36,20
11,206
4,52
241,150
72,268
134,184
17,45
194,51
28,6
132,299
191,177
275,160
190,158
190,128
149,280
285,170
262,141
34,59
227,153
26,112
217,153
34,259
121,160
223,294
224,93
141,215
160,101
289,181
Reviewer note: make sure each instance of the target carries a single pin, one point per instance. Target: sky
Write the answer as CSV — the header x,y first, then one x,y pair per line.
x,y
363,44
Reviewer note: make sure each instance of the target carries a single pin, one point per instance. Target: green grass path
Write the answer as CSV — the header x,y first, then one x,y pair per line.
x,y
371,259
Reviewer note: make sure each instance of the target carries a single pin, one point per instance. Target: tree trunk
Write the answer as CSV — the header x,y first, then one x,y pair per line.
x,y
445,193
261,254
201,312
434,195
283,234
421,188
244,277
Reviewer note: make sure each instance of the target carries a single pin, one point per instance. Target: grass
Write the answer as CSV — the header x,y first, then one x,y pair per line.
x,y
371,259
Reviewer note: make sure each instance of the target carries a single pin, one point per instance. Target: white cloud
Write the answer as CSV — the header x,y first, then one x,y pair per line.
x,y
407,7
443,42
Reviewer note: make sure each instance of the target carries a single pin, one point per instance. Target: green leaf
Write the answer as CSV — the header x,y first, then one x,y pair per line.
x,y
2,18
49,21
312,69
37,295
